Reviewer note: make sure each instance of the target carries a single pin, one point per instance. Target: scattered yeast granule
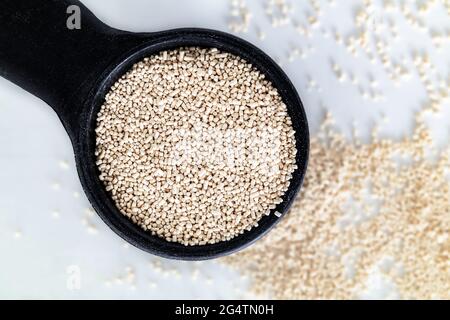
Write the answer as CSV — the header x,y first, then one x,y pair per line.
x,y
195,145
381,207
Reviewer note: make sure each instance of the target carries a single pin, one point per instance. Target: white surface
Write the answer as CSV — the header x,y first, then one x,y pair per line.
x,y
37,248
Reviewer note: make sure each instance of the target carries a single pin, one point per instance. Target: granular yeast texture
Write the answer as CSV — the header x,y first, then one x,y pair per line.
x,y
195,145
380,208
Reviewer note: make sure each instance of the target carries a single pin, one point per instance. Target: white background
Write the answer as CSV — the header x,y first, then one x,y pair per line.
x,y
46,229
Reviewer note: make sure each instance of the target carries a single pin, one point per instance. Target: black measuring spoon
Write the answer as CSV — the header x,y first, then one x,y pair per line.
x,y
73,69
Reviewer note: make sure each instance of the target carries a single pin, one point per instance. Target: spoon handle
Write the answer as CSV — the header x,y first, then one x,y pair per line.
x,y
56,49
